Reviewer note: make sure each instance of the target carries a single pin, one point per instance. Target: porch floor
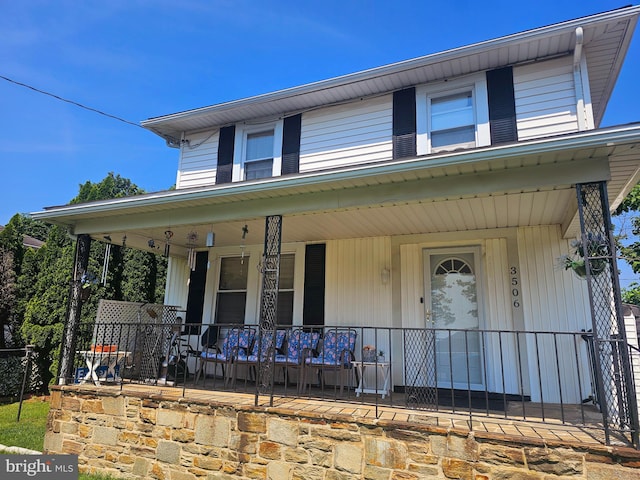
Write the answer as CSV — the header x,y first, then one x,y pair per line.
x,y
581,425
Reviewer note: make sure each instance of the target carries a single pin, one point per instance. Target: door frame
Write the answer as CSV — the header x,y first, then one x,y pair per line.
x,y
477,251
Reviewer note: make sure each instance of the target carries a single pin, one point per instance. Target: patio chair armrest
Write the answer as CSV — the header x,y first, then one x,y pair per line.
x,y
346,356
306,353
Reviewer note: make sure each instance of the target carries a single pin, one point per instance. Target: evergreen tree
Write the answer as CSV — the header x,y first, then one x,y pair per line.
x,y
7,294
34,284
46,310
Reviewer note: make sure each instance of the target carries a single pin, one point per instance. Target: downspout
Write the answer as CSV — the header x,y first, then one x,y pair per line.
x,y
577,80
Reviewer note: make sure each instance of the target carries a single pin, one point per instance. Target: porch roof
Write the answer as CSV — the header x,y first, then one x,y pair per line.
x,y
525,183
606,37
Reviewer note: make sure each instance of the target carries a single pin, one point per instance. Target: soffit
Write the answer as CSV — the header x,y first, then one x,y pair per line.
x,y
462,191
606,39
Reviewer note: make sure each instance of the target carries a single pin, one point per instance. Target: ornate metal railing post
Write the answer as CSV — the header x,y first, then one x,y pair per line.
x,y
70,336
269,305
614,380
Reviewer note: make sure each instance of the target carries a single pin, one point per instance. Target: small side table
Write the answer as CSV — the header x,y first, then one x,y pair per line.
x,y
383,368
96,359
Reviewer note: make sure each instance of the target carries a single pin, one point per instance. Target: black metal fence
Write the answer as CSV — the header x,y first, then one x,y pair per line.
x,y
521,375
18,379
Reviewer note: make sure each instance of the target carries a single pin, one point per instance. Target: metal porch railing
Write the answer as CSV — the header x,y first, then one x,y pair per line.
x,y
537,376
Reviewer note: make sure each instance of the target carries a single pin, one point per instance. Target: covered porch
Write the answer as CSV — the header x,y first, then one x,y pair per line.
x,y
448,263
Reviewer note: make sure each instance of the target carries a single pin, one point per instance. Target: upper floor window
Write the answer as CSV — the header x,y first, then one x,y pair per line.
x,y
452,119
258,161
257,151
452,115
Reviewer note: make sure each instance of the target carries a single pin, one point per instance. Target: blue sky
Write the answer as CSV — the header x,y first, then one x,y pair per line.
x,y
138,59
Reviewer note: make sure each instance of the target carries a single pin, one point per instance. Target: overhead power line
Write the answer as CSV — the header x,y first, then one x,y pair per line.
x,y
57,97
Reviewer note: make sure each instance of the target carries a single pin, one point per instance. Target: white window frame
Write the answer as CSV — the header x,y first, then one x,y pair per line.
x,y
477,84
240,147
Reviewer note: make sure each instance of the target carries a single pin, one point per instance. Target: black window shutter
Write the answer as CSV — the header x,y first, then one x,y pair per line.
x,y
502,106
404,123
197,280
314,276
291,144
225,154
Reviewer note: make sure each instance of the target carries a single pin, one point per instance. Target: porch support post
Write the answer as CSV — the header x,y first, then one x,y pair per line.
x,y
269,305
614,379
69,339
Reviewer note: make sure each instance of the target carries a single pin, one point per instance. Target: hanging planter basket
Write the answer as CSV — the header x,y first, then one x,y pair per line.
x,y
596,246
579,268
85,293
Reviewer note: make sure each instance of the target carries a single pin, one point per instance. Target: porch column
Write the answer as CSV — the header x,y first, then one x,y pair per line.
x,y
614,380
69,339
269,304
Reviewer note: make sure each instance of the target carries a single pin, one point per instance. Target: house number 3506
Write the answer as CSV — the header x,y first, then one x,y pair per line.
x,y
515,287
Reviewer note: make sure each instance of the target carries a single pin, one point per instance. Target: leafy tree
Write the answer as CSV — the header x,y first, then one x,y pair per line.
x,y
46,310
11,241
43,283
112,186
17,258
631,251
7,292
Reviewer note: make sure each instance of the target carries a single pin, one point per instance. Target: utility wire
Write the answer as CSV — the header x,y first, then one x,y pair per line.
x,y
70,101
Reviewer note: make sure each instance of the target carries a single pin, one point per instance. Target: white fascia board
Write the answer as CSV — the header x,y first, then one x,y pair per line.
x,y
446,55
594,138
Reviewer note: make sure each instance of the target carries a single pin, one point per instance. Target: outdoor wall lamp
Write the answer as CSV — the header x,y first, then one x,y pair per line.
x,y
385,275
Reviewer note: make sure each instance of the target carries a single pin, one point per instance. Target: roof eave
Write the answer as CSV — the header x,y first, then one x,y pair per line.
x,y
161,125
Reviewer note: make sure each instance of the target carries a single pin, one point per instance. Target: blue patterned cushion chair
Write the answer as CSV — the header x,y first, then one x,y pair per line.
x,y
299,344
336,354
236,342
261,349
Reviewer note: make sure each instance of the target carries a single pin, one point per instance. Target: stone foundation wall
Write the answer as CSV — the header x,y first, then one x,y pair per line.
x,y
139,438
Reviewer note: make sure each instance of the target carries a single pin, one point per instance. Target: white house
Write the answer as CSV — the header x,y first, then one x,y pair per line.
x,y
437,192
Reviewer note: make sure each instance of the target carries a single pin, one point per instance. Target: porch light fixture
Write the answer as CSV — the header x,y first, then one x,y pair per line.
x,y
385,275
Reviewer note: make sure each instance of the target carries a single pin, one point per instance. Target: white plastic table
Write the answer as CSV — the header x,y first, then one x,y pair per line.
x,y
96,359
383,368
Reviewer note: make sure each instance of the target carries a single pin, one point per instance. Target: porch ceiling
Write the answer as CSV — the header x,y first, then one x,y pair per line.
x,y
524,184
606,39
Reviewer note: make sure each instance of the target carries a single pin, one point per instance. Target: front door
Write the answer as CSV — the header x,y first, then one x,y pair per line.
x,y
452,310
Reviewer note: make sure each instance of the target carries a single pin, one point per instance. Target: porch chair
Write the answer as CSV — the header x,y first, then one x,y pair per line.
x,y
299,345
262,350
236,342
335,354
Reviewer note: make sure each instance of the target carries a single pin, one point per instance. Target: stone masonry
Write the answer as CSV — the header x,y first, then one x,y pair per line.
x,y
138,437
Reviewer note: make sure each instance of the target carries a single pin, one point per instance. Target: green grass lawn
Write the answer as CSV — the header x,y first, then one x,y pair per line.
x,y
29,431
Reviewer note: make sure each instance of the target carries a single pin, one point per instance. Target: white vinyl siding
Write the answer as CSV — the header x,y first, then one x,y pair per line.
x,y
553,300
357,294
358,132
198,161
497,302
545,98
